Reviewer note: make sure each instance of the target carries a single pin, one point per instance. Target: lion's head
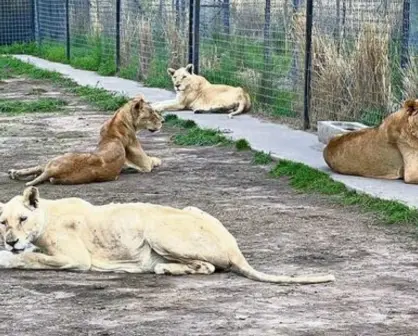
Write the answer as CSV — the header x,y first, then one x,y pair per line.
x,y
21,220
182,78
144,116
410,108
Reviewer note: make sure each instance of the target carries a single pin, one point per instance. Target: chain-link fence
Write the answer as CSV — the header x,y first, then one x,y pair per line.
x,y
301,60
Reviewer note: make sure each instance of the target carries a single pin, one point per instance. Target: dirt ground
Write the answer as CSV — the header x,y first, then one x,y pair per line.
x,y
278,230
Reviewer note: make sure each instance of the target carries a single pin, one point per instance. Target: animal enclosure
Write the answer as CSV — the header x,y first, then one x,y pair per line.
x,y
351,60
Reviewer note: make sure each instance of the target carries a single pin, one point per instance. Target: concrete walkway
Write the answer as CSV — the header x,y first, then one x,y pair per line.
x,y
279,140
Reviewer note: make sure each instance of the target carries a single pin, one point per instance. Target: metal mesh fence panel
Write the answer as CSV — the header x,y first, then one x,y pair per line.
x,y
154,36
51,24
250,43
364,59
355,63
92,25
16,21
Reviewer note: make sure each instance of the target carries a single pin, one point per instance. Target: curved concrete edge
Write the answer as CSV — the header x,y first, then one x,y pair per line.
x,y
280,141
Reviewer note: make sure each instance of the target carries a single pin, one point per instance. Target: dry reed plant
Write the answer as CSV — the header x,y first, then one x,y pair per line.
x,y
176,40
137,44
410,79
352,81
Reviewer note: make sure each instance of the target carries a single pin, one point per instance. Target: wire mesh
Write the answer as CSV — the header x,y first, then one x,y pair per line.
x,y
93,34
356,48
154,36
16,21
51,24
249,43
364,52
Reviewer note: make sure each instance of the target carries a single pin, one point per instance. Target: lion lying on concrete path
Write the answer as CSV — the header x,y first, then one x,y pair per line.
x,y
196,93
389,151
131,237
118,146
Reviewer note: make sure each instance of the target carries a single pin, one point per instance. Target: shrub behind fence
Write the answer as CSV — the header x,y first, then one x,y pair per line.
x,y
303,62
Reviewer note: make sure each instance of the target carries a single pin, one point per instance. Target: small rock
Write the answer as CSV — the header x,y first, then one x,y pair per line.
x,y
241,317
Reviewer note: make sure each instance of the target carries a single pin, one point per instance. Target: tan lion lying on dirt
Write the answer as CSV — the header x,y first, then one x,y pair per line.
x,y
131,237
197,94
118,146
389,151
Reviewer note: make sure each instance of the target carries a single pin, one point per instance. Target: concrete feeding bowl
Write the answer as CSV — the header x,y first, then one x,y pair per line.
x,y
328,129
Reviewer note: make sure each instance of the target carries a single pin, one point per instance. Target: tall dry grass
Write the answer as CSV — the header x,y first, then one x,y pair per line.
x,y
410,79
177,42
137,44
352,81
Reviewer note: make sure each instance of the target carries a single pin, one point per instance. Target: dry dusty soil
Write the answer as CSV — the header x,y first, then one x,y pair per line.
x,y
278,230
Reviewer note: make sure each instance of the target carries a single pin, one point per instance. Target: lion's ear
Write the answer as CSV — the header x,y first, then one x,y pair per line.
x,y
138,104
411,106
171,71
190,68
1,207
31,197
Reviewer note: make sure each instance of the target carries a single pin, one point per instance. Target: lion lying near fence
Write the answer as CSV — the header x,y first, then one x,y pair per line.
x,y
389,151
131,237
196,93
118,146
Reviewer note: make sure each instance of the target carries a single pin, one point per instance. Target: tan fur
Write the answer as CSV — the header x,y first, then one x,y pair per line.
x,y
132,237
118,146
389,151
197,94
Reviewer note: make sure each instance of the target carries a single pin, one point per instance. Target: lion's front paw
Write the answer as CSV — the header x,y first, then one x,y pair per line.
x,y
12,174
156,162
7,259
230,116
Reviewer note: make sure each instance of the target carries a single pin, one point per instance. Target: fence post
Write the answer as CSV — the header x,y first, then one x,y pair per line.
x,y
308,64
405,34
196,31
191,12
37,26
117,56
266,87
177,11
226,16
34,19
67,29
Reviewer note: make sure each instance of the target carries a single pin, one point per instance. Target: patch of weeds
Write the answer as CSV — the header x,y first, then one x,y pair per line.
x,y
262,158
19,48
307,179
107,68
104,100
201,137
242,145
173,120
40,105
372,117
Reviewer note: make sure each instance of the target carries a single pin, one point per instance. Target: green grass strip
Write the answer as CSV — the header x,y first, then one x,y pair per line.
x,y
39,105
102,99
301,177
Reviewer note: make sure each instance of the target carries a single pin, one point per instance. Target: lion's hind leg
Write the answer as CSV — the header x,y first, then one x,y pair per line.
x,y
19,173
191,267
41,178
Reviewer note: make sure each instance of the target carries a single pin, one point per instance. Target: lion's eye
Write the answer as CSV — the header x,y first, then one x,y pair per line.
x,y
23,218
184,77
3,222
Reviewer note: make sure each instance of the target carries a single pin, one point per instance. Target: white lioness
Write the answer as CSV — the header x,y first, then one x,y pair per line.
x,y
194,92
134,237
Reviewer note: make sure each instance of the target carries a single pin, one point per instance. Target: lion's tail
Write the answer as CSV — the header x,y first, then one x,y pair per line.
x,y
244,104
248,105
241,266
